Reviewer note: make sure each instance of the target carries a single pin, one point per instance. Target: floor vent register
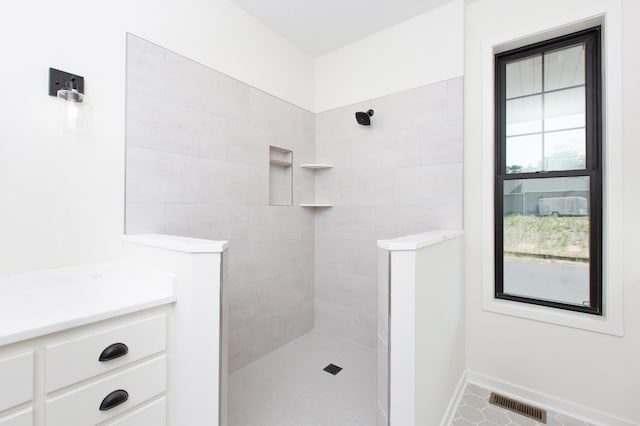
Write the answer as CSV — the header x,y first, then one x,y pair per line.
x,y
519,407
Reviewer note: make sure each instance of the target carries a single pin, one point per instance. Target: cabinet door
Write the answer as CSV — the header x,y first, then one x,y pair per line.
x,y
22,418
18,371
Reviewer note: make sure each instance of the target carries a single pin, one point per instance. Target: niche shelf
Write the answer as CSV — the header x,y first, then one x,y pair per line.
x,y
316,166
280,163
319,205
280,176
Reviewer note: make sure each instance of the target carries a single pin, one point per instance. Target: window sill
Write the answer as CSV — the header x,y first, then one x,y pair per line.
x,y
595,323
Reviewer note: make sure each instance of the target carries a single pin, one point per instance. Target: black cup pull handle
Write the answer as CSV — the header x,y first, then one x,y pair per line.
x,y
114,399
113,351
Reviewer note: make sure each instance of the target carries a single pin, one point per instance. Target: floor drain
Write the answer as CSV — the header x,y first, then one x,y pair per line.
x,y
332,369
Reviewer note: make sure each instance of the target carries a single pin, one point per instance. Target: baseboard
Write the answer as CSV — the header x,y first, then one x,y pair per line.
x,y
542,400
455,400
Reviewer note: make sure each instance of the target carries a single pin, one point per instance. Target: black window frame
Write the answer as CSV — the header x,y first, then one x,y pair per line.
x,y
593,167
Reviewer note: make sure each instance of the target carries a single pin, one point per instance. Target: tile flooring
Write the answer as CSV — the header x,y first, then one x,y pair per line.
x,y
474,410
288,387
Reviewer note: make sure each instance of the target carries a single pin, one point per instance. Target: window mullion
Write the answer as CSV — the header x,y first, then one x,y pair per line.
x,y
542,112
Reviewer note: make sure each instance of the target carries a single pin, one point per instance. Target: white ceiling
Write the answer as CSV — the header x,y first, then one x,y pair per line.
x,y
320,26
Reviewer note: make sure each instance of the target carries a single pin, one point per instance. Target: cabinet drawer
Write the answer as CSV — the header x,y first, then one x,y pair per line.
x,y
154,414
78,359
23,418
81,407
18,371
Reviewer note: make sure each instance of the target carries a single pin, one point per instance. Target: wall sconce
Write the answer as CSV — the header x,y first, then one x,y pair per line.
x,y
69,87
65,85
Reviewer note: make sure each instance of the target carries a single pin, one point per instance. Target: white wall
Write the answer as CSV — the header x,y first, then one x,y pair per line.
x,y
63,195
440,328
423,50
423,282
595,370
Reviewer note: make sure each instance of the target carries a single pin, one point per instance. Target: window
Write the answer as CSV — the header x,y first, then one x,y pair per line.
x,y
548,178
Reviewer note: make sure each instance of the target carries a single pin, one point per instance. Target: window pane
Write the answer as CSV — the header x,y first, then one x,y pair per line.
x,y
564,109
524,115
524,153
524,77
565,150
564,67
546,239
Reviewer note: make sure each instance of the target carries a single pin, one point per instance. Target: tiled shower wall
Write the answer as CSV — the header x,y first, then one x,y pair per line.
x,y
402,175
198,165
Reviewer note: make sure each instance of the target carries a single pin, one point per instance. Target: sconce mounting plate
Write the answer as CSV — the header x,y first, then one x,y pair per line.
x,y
57,79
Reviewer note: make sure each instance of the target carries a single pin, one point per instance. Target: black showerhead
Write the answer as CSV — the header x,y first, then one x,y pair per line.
x,y
363,117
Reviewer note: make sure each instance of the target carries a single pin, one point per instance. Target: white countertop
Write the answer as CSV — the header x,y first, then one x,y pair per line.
x,y
173,242
418,241
33,304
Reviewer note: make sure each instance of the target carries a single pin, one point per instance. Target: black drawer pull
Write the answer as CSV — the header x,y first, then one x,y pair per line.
x,y
113,351
114,399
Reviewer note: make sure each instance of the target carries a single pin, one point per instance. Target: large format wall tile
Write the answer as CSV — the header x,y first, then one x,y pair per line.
x,y
146,67
350,222
428,185
192,84
159,176
439,142
402,175
276,115
411,108
379,151
348,290
346,323
211,221
339,123
161,125
198,166
357,257
144,217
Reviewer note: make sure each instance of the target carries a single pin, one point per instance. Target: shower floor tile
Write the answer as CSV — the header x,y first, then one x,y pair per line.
x,y
288,387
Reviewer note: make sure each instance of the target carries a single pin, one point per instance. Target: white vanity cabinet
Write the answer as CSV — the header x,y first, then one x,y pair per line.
x,y
92,353
100,374
21,418
143,339
112,369
85,346
17,370
16,388
153,413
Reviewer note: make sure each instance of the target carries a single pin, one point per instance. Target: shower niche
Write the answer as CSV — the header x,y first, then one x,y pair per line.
x,y
280,176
